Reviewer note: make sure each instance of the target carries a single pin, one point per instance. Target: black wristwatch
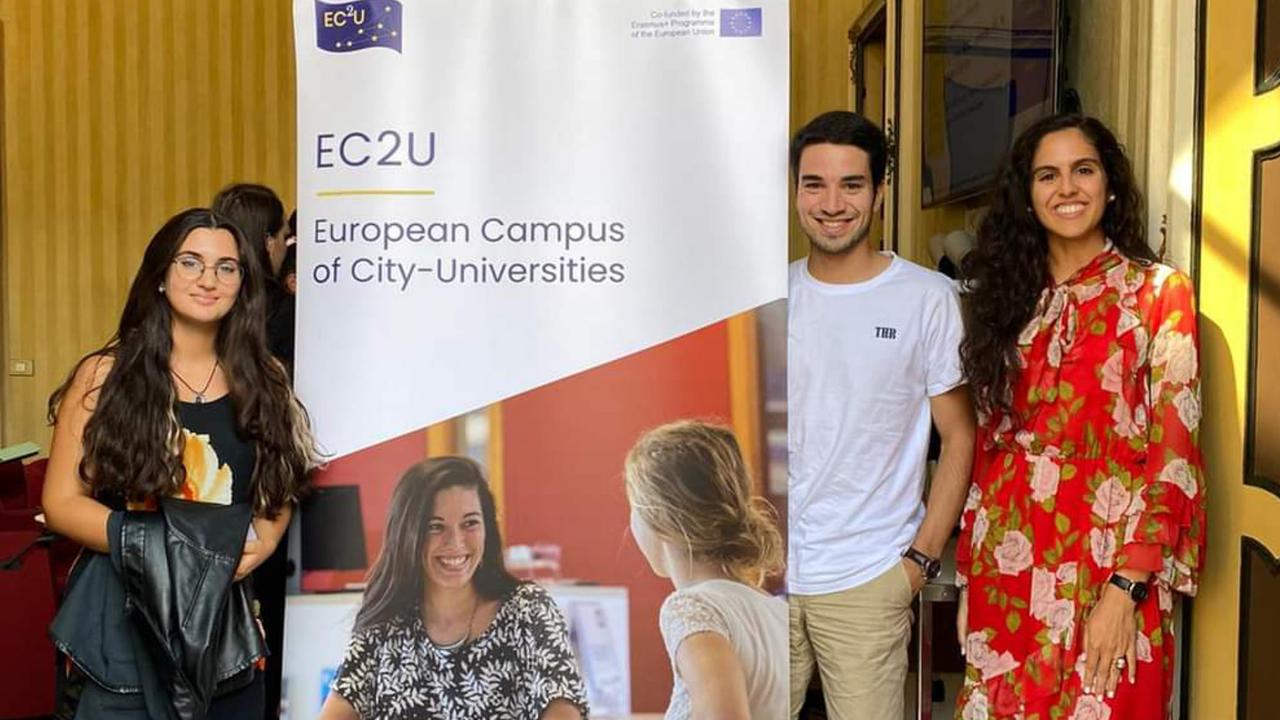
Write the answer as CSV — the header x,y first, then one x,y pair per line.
x,y
932,567
1137,591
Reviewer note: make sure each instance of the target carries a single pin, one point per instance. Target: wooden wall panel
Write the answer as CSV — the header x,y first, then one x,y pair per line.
x,y
118,114
820,56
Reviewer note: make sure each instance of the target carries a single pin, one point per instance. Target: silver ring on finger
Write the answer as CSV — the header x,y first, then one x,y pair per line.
x,y
1120,663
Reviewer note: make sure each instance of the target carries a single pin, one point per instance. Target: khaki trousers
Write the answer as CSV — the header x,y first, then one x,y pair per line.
x,y
858,640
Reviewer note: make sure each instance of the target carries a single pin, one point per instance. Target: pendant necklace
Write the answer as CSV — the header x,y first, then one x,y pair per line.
x,y
200,397
450,647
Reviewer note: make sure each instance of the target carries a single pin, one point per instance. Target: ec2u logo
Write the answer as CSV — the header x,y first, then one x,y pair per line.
x,y
359,24
339,18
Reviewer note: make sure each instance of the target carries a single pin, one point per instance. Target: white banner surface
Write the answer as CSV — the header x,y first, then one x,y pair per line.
x,y
496,194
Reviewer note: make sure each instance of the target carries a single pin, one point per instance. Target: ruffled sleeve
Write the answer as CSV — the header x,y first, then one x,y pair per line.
x,y
1164,530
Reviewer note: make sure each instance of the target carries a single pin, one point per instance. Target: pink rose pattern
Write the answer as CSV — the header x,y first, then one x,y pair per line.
x,y
1097,467
1110,501
1102,546
1044,590
1013,555
975,707
1045,474
1091,708
986,661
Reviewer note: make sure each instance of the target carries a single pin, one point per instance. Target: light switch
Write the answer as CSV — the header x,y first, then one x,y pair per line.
x,y
22,367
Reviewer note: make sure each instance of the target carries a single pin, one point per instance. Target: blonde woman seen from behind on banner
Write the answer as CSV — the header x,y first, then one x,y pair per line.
x,y
696,522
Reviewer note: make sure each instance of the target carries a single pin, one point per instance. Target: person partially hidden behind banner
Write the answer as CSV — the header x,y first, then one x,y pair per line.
x,y
184,402
259,213
694,518
444,631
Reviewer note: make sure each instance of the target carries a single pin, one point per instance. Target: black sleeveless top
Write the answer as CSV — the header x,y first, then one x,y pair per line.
x,y
218,460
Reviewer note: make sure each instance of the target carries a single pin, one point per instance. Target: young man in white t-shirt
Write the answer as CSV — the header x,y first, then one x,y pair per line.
x,y
873,355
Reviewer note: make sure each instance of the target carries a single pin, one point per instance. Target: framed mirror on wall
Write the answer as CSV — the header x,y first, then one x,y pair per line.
x,y
990,71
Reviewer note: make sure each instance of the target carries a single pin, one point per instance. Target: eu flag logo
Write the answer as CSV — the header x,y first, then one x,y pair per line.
x,y
359,24
740,22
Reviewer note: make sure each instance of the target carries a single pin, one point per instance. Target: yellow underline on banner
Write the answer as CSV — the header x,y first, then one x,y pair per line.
x,y
342,193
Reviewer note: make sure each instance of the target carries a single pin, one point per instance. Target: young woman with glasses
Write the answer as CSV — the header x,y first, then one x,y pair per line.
x,y
183,401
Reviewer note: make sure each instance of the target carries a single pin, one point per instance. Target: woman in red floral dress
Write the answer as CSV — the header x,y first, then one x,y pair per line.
x,y
1086,514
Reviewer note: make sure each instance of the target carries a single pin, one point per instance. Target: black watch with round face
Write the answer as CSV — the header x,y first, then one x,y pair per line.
x,y
932,567
1137,591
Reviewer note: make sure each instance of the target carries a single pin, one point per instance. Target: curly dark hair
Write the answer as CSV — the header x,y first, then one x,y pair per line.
x,y
1008,269
131,450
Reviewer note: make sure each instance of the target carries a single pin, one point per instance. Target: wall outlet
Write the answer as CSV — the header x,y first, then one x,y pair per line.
x,y
22,367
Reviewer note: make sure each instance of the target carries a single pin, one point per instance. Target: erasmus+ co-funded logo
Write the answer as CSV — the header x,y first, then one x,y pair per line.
x,y
359,25
740,22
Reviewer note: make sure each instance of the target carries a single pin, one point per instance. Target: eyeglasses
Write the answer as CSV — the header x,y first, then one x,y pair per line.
x,y
191,267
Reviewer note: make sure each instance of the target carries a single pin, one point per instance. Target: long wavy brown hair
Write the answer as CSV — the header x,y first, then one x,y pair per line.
x,y
131,441
396,580
1008,268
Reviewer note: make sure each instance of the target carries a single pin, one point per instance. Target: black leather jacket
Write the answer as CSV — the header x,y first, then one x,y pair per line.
x,y
173,625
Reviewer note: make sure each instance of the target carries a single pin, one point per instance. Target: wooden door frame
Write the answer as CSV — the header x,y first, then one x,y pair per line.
x,y
892,12
874,22
1233,124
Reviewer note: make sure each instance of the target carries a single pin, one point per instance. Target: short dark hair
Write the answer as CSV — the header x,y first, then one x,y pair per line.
x,y
841,127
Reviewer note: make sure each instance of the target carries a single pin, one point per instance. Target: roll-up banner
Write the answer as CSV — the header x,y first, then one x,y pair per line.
x,y
496,195
493,195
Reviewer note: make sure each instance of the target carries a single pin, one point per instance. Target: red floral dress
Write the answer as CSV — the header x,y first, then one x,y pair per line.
x,y
1096,468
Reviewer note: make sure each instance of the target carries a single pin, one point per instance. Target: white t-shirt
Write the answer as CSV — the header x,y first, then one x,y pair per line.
x,y
863,359
754,623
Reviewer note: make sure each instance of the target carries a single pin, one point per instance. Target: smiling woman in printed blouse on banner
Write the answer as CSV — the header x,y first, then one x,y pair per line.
x,y
1087,512
444,631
